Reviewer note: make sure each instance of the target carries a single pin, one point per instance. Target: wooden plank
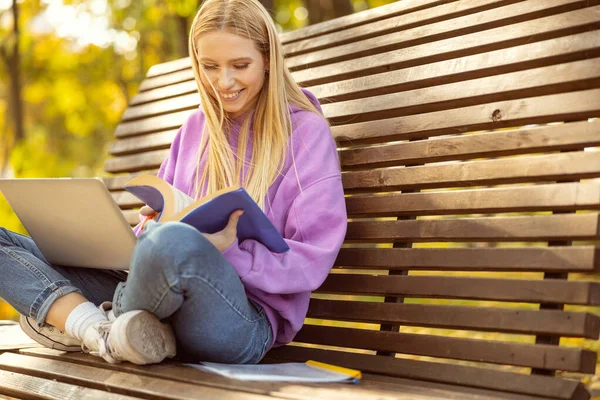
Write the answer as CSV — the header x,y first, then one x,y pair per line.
x,y
492,15
168,79
446,13
176,89
564,137
138,162
151,125
474,43
31,387
348,21
543,109
482,229
517,259
557,197
483,289
572,106
137,144
175,372
532,55
169,67
554,79
536,385
487,319
577,75
114,381
132,217
505,353
546,168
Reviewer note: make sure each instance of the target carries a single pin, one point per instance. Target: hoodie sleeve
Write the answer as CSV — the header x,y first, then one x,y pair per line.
x,y
314,226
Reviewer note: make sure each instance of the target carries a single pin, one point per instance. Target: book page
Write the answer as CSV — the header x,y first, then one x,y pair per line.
x,y
180,200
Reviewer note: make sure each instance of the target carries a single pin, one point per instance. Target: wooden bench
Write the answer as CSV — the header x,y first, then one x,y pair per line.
x,y
463,128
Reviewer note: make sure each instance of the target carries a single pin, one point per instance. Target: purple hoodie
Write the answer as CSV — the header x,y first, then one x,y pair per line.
x,y
312,219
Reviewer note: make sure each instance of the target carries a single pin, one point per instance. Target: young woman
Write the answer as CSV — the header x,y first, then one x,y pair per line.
x,y
202,296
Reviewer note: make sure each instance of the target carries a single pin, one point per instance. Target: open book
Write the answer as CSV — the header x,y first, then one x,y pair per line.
x,y
209,214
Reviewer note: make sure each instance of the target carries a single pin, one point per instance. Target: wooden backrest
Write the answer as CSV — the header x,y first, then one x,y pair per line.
x,y
465,132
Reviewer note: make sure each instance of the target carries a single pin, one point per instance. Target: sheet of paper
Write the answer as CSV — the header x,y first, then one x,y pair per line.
x,y
286,372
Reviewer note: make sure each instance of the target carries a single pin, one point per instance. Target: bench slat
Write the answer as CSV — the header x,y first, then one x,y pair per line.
x,y
173,90
486,319
523,259
374,14
474,43
532,55
547,80
495,19
169,67
481,229
554,79
551,197
570,136
484,289
138,144
535,385
115,183
137,162
567,166
114,381
496,352
26,386
168,79
569,48
430,17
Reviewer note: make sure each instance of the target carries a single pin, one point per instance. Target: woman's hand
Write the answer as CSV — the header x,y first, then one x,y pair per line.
x,y
223,239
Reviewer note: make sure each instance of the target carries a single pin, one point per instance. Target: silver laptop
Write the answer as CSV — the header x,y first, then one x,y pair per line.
x,y
74,221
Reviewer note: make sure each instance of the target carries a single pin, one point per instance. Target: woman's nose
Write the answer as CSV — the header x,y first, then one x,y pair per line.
x,y
225,79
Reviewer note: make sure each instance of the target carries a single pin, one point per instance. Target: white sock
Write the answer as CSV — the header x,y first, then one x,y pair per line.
x,y
81,318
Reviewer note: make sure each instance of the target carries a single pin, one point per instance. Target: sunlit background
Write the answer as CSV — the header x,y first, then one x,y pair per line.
x,y
79,64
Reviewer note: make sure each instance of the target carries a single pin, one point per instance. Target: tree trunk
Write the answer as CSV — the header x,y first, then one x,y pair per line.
x,y
10,54
323,10
182,27
269,6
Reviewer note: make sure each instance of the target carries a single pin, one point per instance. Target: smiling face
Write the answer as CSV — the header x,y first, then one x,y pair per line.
x,y
234,67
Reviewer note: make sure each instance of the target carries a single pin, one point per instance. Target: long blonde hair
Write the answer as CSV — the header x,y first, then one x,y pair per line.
x,y
272,122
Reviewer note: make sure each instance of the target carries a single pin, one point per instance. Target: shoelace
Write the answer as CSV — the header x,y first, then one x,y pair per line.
x,y
105,350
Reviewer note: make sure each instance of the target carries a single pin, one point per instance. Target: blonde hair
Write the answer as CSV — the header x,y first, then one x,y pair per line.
x,y
272,122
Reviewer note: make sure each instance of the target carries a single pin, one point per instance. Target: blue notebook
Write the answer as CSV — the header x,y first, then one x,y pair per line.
x,y
209,214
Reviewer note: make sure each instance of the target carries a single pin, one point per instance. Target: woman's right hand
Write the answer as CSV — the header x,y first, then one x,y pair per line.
x,y
147,210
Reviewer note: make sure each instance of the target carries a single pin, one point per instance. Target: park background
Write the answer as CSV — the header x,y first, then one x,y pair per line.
x,y
68,69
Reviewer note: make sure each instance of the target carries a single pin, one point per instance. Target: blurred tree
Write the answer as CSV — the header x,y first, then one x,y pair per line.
x,y
11,56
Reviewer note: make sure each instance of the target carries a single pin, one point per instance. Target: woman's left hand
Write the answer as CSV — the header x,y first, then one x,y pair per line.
x,y
223,239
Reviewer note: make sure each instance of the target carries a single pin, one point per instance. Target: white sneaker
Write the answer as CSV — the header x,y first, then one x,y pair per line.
x,y
49,336
107,310
136,336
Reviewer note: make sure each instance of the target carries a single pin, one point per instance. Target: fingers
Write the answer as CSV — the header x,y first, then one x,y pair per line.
x,y
147,210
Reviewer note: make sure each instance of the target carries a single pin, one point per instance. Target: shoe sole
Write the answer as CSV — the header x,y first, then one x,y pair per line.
x,y
31,331
141,338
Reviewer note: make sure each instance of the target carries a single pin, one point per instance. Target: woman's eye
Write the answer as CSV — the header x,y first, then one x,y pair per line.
x,y
209,67
241,66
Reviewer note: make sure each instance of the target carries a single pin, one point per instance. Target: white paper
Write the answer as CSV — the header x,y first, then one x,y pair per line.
x,y
286,372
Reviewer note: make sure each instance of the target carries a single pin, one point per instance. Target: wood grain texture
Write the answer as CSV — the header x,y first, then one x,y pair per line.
x,y
511,383
497,352
467,288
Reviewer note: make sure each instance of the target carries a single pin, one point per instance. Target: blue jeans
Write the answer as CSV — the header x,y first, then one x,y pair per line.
x,y
175,273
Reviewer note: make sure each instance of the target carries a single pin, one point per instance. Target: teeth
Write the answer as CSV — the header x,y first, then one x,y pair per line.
x,y
230,96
